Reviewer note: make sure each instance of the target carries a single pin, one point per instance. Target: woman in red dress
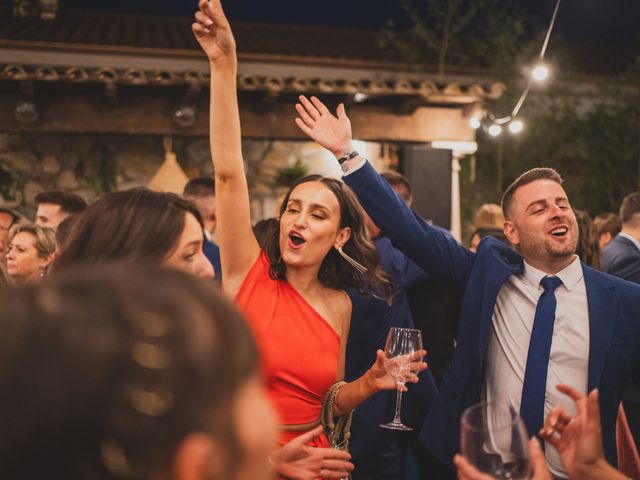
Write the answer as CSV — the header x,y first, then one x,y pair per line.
x,y
292,291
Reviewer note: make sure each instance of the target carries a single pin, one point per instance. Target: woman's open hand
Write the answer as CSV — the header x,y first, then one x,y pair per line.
x,y
213,32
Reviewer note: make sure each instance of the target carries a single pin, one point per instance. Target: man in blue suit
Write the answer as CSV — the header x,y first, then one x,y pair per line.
x,y
532,317
621,257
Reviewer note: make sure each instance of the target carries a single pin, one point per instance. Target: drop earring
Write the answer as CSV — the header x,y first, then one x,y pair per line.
x,y
358,266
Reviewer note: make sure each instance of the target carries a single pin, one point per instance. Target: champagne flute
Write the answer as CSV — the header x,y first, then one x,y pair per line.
x,y
494,439
401,355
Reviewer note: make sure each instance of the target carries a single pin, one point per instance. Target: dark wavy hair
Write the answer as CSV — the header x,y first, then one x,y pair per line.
x,y
133,225
107,370
335,272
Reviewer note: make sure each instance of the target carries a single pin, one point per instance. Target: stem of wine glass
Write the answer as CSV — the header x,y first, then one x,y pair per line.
x,y
396,418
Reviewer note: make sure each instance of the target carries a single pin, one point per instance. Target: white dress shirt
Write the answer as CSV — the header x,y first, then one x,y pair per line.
x,y
509,336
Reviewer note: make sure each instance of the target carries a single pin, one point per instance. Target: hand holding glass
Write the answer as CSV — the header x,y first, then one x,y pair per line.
x,y
402,352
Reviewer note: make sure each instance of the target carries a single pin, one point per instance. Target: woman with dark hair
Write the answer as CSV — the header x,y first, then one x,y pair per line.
x,y
292,290
106,378
588,248
140,226
135,226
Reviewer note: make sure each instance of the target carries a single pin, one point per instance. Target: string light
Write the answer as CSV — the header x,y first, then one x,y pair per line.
x,y
538,74
474,122
516,126
495,130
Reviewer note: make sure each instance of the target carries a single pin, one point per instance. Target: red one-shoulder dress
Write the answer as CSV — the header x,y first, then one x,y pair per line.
x,y
299,349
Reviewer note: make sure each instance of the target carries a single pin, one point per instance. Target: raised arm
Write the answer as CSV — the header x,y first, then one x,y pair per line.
x,y
238,246
431,249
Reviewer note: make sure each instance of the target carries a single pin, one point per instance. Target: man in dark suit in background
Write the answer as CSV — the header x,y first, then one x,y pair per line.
x,y
202,192
621,257
435,307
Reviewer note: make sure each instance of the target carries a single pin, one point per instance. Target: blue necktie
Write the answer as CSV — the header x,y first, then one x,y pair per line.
x,y
535,376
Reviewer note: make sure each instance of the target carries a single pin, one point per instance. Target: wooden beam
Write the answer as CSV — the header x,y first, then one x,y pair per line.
x,y
152,115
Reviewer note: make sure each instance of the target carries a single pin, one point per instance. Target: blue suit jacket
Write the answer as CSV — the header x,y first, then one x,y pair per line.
x,y
371,319
212,252
614,314
622,259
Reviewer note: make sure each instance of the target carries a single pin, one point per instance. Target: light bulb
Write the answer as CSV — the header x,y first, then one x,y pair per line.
x,y
495,130
516,126
474,122
360,97
540,73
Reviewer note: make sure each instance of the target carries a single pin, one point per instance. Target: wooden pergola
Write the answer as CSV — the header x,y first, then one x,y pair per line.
x,y
117,74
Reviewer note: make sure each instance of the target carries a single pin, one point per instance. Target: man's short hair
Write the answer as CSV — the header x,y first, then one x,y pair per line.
x,y
396,179
530,176
630,210
200,187
69,202
608,223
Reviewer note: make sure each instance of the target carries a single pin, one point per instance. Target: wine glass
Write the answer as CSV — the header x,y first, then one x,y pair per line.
x,y
494,439
401,356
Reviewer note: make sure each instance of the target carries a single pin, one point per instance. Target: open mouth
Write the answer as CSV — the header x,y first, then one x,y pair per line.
x,y
296,239
559,232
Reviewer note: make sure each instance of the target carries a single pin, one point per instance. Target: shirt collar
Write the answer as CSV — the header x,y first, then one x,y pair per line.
x,y
570,275
629,237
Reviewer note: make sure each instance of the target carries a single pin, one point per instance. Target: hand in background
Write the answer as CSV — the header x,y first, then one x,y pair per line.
x,y
213,32
579,439
316,121
298,461
540,470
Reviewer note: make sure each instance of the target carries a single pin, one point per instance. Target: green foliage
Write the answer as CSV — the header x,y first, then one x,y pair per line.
x,y
596,148
485,34
287,176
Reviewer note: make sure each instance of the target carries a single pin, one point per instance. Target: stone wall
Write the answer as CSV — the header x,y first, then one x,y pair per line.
x,y
92,165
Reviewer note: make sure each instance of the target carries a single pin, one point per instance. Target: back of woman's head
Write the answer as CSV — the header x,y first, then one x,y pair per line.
x,y
130,226
104,372
335,272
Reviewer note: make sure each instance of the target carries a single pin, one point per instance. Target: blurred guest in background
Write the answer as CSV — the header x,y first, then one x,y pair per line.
x,y
202,192
608,226
621,257
481,232
588,248
31,252
7,219
488,215
63,231
136,226
4,281
55,205
110,378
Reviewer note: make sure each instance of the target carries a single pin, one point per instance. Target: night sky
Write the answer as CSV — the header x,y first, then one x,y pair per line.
x,y
594,21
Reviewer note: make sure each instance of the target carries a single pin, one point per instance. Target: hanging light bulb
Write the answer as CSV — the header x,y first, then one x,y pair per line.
x,y
474,122
516,126
540,72
495,130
